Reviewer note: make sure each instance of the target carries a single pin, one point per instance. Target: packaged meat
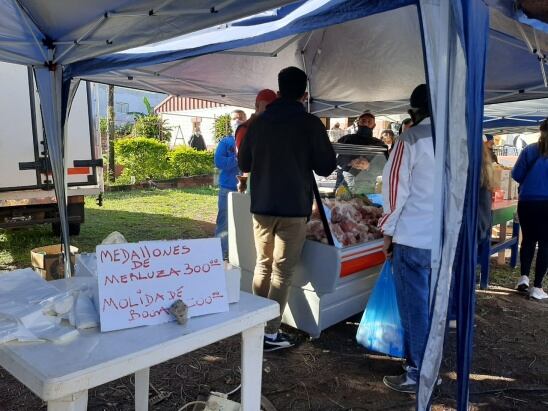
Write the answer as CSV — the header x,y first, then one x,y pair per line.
x,y
352,221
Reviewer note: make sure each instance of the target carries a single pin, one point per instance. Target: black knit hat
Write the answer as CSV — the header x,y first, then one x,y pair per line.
x,y
419,97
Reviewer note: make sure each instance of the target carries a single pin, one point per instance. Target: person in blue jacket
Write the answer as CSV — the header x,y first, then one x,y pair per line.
x,y
531,172
226,160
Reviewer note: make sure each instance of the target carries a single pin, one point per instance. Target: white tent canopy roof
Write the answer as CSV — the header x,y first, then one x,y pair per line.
x,y
36,31
341,72
372,63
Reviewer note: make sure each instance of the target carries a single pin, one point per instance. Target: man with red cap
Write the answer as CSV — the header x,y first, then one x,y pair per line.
x,y
263,99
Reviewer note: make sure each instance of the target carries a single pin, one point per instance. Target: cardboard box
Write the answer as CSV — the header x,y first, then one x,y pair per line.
x,y
497,178
48,261
507,190
515,191
502,180
498,195
233,276
511,191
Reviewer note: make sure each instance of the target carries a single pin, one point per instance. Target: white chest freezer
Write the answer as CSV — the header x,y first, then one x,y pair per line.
x,y
331,282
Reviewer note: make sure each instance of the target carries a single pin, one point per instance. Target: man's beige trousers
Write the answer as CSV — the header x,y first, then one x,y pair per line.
x,y
279,242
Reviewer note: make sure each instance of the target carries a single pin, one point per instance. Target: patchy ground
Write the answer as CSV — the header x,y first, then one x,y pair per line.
x,y
334,373
509,372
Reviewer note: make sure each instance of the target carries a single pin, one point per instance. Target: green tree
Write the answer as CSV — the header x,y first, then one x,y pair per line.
x,y
151,125
103,126
111,136
121,130
221,127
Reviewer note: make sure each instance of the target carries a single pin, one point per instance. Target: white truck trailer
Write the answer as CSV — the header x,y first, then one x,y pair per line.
x,y
27,196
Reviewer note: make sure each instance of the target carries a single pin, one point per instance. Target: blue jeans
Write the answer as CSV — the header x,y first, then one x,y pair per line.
x,y
221,229
412,279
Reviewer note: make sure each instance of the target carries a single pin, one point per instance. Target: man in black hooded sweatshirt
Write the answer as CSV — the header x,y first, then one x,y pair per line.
x,y
283,147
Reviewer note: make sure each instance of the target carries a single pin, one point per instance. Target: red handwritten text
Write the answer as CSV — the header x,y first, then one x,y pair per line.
x,y
139,276
142,254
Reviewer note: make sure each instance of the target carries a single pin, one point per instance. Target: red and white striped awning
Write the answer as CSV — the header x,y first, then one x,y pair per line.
x,y
174,103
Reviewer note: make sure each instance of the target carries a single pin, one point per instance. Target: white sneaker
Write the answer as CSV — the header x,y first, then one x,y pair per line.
x,y
537,293
523,284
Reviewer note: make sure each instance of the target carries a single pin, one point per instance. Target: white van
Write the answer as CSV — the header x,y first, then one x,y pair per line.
x,y
27,196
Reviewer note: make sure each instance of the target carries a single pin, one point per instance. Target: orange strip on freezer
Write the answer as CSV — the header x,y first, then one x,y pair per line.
x,y
362,252
78,171
362,263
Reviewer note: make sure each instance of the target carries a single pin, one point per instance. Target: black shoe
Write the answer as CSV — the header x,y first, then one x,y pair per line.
x,y
401,383
281,341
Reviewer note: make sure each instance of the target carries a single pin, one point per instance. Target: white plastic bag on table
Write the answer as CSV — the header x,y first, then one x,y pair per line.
x,y
84,315
26,286
114,238
86,265
11,330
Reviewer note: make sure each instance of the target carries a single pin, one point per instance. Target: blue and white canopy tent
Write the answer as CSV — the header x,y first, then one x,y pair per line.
x,y
515,117
354,62
370,55
49,36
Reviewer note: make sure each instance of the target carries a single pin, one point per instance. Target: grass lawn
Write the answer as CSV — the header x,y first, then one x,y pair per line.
x,y
138,215
144,215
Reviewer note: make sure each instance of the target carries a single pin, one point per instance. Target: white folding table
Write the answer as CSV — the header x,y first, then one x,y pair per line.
x,y
61,374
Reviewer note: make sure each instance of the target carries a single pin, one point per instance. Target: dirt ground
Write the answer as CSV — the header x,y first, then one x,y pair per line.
x,y
510,368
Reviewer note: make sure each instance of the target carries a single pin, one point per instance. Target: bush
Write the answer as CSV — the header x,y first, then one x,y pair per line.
x,y
143,158
146,158
187,161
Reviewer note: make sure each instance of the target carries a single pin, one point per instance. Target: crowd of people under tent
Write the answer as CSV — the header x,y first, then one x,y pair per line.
x,y
274,155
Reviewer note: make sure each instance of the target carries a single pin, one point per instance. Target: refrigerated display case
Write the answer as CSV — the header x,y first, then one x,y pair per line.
x,y
339,267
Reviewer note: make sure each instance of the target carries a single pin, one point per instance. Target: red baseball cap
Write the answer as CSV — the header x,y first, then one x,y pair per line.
x,y
266,95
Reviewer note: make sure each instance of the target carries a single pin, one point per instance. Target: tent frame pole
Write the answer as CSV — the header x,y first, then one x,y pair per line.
x,y
28,23
78,41
513,93
149,14
263,53
497,36
541,58
535,50
178,80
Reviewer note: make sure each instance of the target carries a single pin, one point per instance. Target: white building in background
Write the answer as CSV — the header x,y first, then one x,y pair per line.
x,y
182,114
127,102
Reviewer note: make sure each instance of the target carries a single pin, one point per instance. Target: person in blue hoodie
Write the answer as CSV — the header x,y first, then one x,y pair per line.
x,y
531,172
226,160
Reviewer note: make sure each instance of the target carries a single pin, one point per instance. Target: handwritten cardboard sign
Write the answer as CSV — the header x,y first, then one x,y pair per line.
x,y
138,282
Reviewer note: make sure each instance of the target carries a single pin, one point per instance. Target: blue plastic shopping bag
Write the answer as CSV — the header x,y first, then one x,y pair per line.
x,y
380,328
